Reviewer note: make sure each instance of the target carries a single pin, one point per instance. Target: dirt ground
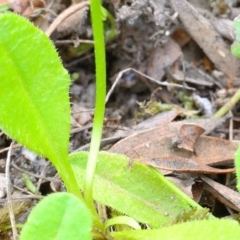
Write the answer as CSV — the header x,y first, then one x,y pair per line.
x,y
168,57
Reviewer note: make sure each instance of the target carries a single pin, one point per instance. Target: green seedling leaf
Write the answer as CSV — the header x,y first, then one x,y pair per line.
x,y
197,230
34,106
235,47
29,184
237,166
59,216
121,220
4,7
236,28
104,13
138,191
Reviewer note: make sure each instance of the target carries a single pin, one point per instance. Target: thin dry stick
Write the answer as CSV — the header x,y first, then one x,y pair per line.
x,y
231,130
7,148
32,174
76,122
72,41
9,196
65,14
22,190
43,174
76,130
24,197
146,76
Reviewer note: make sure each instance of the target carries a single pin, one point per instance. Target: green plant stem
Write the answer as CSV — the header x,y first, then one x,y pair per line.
x,y
66,173
228,106
99,48
109,35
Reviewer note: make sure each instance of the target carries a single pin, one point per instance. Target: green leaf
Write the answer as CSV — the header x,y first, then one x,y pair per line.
x,y
104,14
34,106
236,28
237,166
140,192
59,216
197,230
235,47
121,220
4,7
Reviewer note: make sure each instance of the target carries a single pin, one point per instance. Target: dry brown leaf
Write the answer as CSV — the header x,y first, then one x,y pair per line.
x,y
188,135
74,23
224,194
208,150
207,38
197,191
25,7
154,121
208,65
162,57
179,164
181,37
19,6
156,143
184,184
157,120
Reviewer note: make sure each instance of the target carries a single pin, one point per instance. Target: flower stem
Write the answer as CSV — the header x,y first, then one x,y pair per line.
x,y
99,49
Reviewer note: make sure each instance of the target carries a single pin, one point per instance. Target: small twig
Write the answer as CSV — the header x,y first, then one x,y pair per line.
x,y
82,111
7,148
65,14
146,76
184,68
231,129
9,196
23,197
220,130
76,130
78,60
42,175
76,122
72,41
33,175
104,142
22,190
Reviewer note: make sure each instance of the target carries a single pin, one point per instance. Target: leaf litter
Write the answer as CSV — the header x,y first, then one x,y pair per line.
x,y
157,40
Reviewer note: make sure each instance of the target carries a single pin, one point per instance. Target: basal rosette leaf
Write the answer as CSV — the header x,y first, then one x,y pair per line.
x,y
34,106
58,216
235,47
197,230
139,191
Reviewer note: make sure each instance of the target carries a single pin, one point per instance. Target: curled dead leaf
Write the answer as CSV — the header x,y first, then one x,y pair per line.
x,y
156,143
184,165
188,135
